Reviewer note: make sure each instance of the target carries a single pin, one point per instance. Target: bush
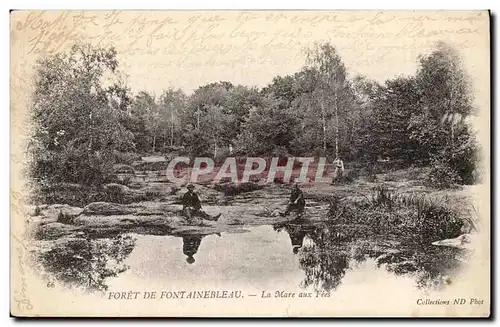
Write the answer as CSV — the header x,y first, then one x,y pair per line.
x,y
383,197
345,179
442,175
439,222
334,207
64,193
455,164
72,165
114,193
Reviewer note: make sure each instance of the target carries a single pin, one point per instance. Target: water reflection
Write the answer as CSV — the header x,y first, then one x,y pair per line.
x,y
85,262
323,262
191,243
308,254
333,250
190,246
297,230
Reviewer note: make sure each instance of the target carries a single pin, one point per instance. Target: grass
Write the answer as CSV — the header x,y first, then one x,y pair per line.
x,y
389,211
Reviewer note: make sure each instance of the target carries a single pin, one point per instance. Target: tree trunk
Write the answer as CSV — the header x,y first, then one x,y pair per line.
x,y
198,119
172,130
154,143
215,148
336,127
172,136
323,120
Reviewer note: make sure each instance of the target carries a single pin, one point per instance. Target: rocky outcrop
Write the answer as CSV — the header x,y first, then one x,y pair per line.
x,y
53,211
107,209
463,241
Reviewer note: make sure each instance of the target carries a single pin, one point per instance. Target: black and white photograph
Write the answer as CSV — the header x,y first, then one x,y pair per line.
x,y
250,163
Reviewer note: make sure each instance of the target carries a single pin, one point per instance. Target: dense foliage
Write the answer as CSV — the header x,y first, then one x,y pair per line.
x,y
86,118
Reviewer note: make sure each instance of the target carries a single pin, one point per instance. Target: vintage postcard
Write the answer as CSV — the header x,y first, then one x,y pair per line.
x,y
250,163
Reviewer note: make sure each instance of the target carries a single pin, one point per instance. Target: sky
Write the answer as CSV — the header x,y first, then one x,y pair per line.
x,y
186,49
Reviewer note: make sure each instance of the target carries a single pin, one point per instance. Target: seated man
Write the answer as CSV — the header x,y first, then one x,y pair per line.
x,y
296,202
191,206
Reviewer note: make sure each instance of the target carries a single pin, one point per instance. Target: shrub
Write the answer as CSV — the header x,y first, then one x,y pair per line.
x,y
442,175
114,193
334,206
383,197
345,179
455,164
439,222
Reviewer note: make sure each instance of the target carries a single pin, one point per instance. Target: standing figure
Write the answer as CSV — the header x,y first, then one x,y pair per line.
x,y
338,165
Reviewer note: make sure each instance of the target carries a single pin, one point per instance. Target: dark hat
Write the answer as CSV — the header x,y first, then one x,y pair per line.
x,y
190,186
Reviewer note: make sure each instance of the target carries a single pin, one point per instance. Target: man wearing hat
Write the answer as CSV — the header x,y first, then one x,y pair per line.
x,y
296,202
191,206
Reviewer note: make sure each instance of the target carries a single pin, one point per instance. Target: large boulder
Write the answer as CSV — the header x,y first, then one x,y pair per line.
x,y
52,211
112,187
107,209
464,241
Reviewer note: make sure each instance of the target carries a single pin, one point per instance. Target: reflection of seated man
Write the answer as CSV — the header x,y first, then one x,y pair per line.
x,y
297,235
296,202
191,206
190,246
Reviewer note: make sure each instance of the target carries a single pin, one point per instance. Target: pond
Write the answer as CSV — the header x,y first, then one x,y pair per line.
x,y
317,257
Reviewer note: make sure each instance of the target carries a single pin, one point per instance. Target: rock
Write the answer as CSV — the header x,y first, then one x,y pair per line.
x,y
156,189
54,210
231,189
107,209
36,210
463,241
115,186
137,185
123,169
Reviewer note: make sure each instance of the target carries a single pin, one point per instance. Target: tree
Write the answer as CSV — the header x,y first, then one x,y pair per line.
x,y
213,116
148,115
76,125
440,127
269,129
217,123
444,93
392,107
332,90
172,105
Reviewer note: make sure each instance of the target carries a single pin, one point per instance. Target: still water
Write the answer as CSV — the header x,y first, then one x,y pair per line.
x,y
298,257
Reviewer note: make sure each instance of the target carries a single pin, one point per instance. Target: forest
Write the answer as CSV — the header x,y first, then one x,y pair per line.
x,y
86,119
408,146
